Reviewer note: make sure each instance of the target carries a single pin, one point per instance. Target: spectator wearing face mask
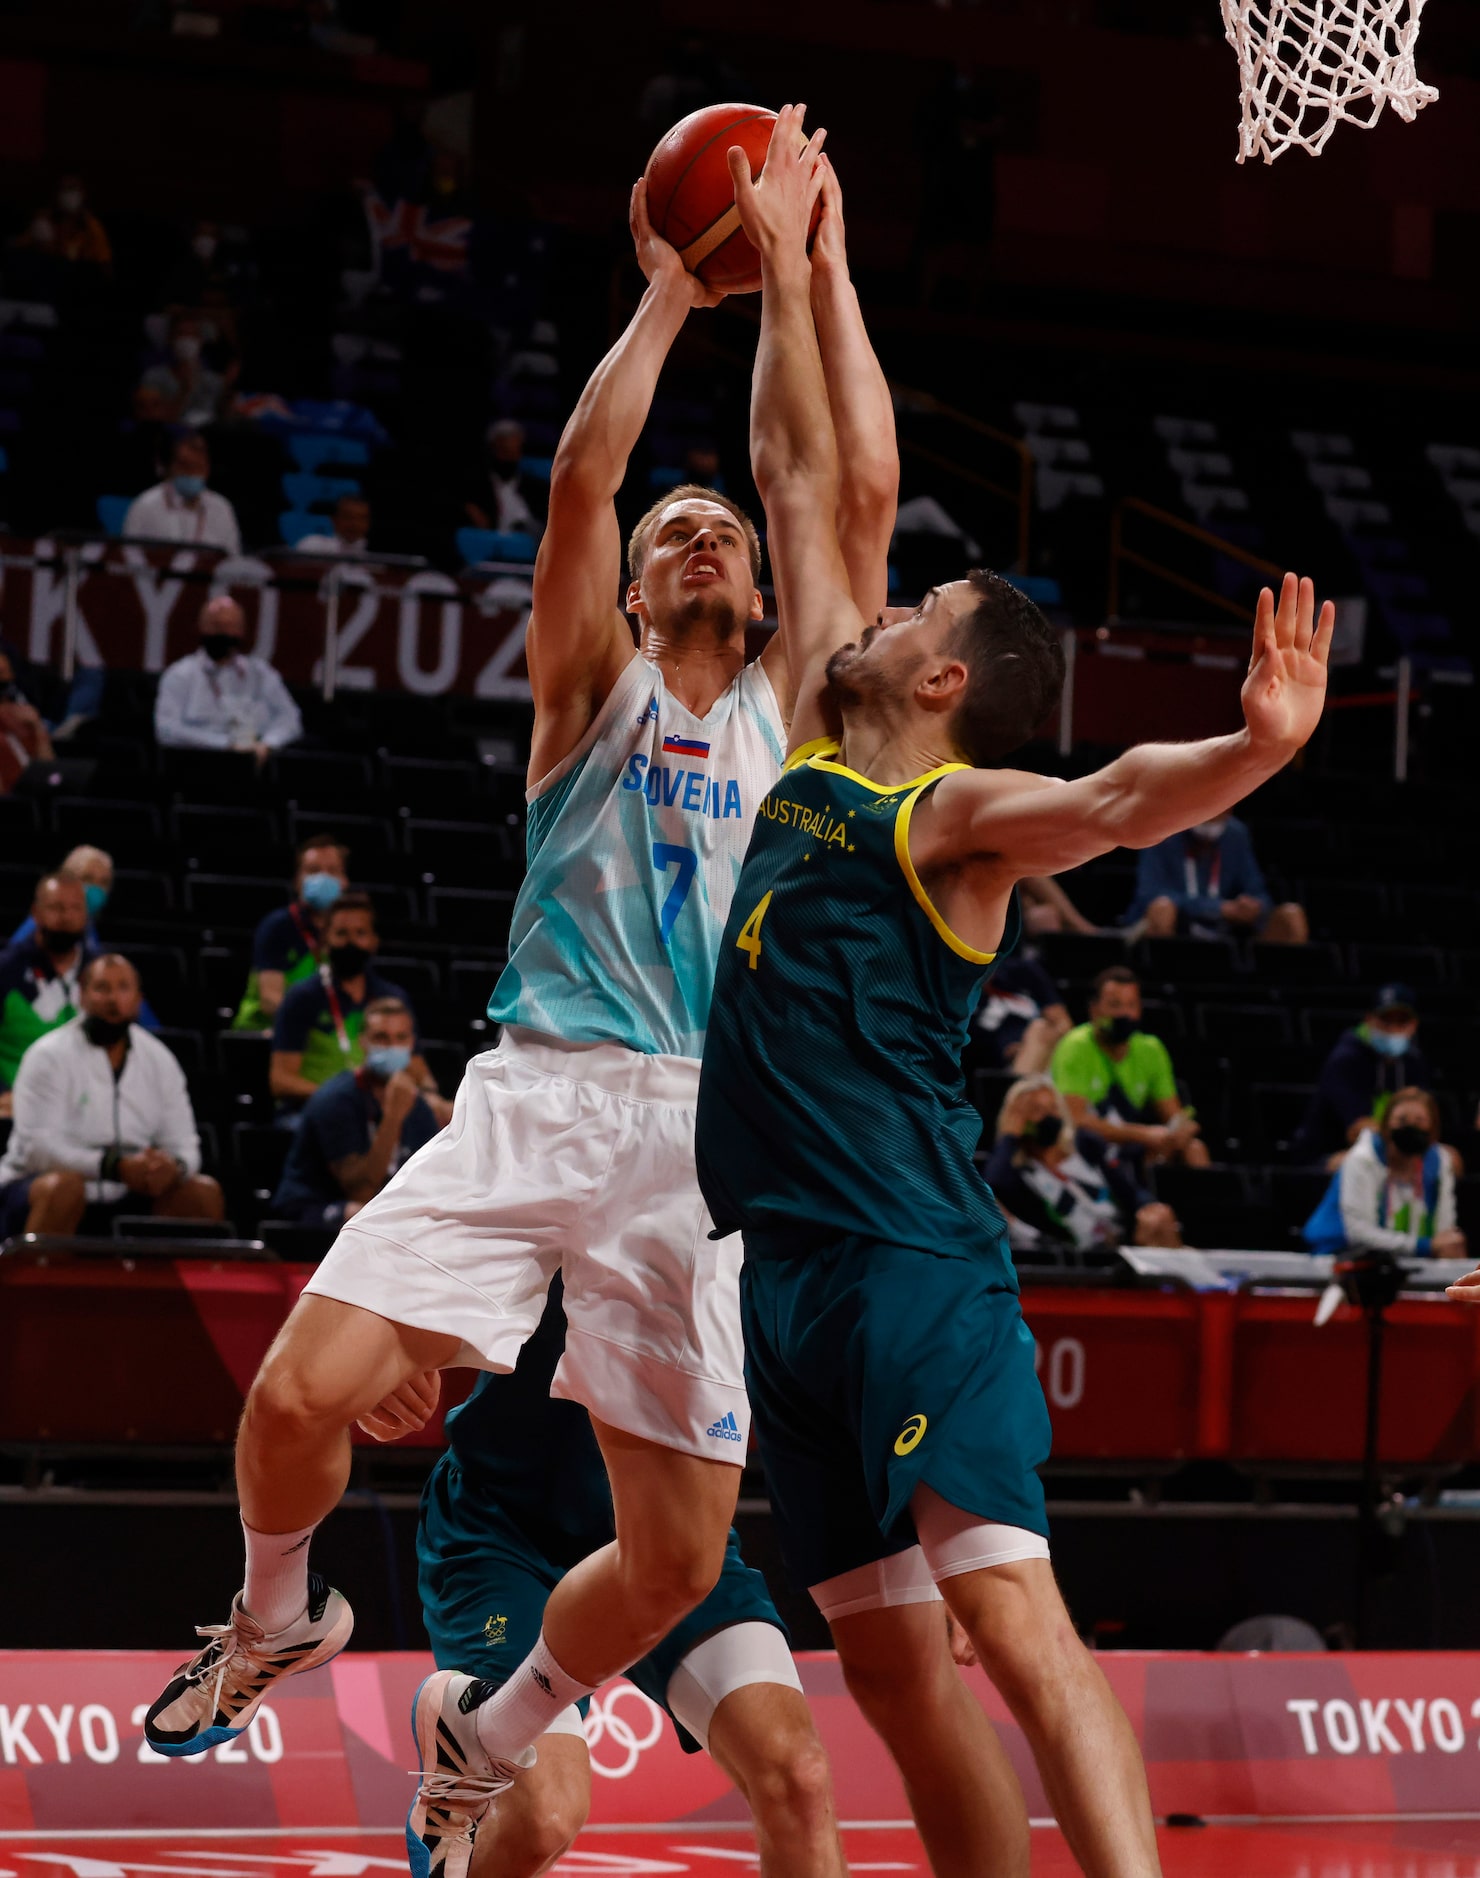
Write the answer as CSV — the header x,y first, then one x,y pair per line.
x,y
40,978
1059,1188
182,508
1365,1069
358,1127
211,273
501,496
102,1118
351,530
67,229
1206,883
24,738
320,1022
1118,1079
220,697
286,944
189,390
94,868
1394,1191
1022,1016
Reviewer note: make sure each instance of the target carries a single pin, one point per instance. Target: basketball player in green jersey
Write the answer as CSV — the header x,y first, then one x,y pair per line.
x,y
890,1372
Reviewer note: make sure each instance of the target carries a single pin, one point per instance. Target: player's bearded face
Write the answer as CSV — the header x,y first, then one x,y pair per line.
x,y
884,662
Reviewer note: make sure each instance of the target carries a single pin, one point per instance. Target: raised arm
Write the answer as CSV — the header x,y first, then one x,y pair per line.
x,y
577,642
793,447
862,411
1017,824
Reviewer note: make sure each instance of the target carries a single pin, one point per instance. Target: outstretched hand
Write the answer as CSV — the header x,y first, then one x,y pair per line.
x,y
776,208
1285,690
659,259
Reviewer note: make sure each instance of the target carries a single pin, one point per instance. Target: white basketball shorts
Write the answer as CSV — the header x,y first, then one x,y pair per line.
x,y
578,1159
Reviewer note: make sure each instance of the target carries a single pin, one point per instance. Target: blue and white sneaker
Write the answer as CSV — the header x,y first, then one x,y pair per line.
x,y
459,1781
213,1697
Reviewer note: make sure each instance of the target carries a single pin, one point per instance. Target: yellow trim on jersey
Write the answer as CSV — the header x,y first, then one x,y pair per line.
x,y
902,854
883,789
804,752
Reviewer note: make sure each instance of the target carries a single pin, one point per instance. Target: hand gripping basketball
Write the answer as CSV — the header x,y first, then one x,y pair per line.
x,y
776,208
659,259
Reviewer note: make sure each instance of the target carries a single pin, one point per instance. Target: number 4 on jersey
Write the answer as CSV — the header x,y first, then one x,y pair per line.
x,y
750,933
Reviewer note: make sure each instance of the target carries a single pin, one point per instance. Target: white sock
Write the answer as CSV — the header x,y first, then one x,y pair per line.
x,y
532,1698
276,1590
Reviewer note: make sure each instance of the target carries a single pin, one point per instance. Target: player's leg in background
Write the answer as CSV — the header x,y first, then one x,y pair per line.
x,y
673,1514
964,1796
739,1695
1087,1755
535,1823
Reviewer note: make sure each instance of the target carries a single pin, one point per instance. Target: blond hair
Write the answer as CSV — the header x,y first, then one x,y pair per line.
x,y
637,541
1027,1085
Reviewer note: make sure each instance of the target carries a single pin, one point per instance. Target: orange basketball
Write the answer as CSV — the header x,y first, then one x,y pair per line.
x,y
691,199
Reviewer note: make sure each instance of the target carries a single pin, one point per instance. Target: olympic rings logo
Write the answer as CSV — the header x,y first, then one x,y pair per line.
x,y
603,1723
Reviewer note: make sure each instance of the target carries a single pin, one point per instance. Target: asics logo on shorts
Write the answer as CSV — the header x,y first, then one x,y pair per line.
x,y
911,1435
725,1429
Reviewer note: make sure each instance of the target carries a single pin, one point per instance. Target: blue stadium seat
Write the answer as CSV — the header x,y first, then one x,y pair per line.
x,y
537,468
294,524
111,511
304,487
312,452
488,544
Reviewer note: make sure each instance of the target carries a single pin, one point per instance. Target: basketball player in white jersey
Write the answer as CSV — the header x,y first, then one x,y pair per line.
x,y
571,1144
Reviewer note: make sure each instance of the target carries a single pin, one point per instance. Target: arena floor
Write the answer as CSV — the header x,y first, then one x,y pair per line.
x,y
1392,1849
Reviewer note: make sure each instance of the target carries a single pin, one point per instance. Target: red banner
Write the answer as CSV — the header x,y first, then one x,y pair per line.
x,y
1129,1375
1248,1736
398,630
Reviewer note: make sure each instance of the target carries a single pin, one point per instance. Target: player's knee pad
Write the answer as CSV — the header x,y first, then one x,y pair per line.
x,y
902,1578
568,1722
953,1542
731,1659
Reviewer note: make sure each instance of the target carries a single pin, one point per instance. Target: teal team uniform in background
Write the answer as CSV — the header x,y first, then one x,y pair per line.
x,y
635,844
520,1497
884,1339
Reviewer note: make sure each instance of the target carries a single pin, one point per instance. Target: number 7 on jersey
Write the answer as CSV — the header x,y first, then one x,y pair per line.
x,y
749,940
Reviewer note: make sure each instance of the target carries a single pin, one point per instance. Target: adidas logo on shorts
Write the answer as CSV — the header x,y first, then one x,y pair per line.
x,y
725,1429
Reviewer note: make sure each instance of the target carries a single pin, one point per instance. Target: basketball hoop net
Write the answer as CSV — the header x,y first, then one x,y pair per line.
x,y
1304,65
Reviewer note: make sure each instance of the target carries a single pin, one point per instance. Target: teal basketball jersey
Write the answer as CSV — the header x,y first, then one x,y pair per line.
x,y
635,844
832,1100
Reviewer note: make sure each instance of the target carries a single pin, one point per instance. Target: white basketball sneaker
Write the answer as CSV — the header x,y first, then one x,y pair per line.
x,y
213,1697
459,1780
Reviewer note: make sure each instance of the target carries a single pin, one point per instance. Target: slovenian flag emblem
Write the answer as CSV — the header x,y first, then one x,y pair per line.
x,y
685,746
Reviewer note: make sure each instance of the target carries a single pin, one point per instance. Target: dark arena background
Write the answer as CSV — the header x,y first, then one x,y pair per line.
x,y
351,262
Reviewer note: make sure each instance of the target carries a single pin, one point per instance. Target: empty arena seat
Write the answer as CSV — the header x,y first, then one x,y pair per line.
x,y
1296,965
210,775
111,512
456,852
427,785
221,974
1179,962
1272,1114
226,900
1409,965
374,843
1079,955
462,914
188,1049
1441,916
1243,1025
127,830
259,1152
470,984
321,779
217,839
243,1055
140,895
1347,909
1295,1193
491,544
421,980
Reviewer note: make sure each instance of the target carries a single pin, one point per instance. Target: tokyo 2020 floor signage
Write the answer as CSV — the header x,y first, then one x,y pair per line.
x,y
1267,1736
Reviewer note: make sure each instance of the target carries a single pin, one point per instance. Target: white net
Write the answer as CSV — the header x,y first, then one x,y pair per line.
x,y
1305,65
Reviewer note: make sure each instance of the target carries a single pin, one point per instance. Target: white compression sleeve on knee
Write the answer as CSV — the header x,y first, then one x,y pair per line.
x,y
731,1659
902,1578
954,1542
568,1722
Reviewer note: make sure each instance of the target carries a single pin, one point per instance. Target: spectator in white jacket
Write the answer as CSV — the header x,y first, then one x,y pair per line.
x,y
102,1118
182,508
1394,1189
220,697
